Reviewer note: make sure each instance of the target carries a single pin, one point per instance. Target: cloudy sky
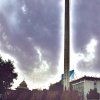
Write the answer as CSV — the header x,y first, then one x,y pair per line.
x,y
31,35
85,35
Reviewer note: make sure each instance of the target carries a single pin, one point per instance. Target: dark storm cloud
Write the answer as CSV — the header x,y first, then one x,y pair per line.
x,y
86,26
30,29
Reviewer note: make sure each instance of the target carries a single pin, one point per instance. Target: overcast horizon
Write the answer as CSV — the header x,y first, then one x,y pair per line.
x,y
32,35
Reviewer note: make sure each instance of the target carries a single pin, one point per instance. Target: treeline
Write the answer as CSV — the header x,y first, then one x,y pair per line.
x,y
43,95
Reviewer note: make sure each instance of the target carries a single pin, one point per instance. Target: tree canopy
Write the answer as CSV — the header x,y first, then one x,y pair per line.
x,y
7,74
93,95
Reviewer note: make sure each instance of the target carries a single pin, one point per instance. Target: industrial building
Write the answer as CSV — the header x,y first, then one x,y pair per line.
x,y
84,85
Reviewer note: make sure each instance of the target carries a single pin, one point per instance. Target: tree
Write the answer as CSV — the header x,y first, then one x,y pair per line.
x,y
70,95
93,95
7,74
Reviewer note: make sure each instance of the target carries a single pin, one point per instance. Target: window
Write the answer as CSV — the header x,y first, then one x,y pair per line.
x,y
95,85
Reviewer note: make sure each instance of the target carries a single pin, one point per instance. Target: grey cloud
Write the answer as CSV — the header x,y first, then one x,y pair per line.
x,y
38,28
86,25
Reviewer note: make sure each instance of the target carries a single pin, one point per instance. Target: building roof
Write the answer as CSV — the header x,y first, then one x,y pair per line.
x,y
22,85
85,78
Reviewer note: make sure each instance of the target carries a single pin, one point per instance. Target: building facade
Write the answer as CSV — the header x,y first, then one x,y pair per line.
x,y
84,85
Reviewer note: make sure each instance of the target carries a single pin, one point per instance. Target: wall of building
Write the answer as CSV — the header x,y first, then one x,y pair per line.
x,y
79,87
83,87
90,85
87,86
98,86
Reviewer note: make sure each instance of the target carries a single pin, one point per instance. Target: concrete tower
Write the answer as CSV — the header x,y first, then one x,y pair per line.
x,y
66,47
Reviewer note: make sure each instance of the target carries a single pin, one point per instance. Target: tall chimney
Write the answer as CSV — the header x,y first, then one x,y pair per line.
x,y
66,47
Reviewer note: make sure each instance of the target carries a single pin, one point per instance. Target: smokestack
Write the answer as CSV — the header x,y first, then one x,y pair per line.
x,y
66,47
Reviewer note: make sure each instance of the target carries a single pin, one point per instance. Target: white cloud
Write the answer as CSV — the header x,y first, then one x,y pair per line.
x,y
90,48
86,58
24,9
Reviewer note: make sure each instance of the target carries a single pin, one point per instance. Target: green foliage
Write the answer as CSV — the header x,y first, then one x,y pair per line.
x,y
7,74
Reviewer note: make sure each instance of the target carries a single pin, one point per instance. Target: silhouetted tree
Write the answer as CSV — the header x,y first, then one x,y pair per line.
x,y
93,95
70,95
7,74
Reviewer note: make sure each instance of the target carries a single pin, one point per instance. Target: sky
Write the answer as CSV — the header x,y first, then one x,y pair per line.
x,y
85,34
31,35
